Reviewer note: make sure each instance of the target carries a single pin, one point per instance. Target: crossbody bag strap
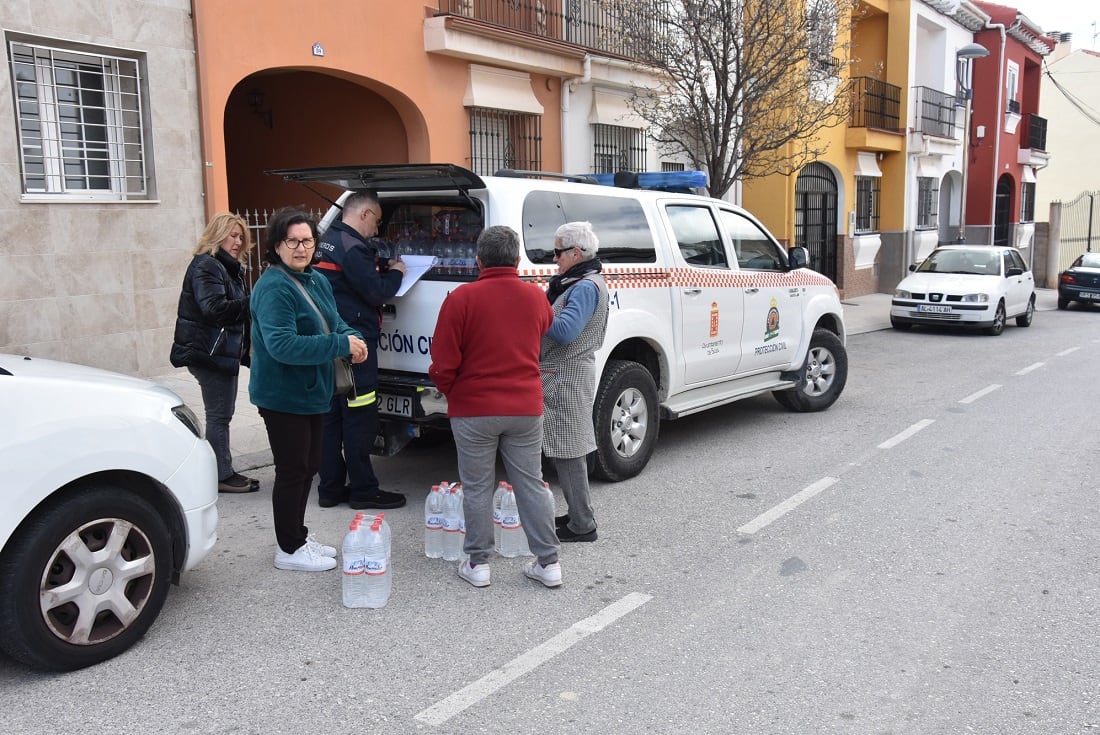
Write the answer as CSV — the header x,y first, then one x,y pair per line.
x,y
296,282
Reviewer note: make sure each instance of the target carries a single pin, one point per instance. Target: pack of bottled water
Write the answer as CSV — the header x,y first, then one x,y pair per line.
x,y
365,556
513,539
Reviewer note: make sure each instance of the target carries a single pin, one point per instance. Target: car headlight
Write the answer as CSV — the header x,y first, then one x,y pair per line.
x,y
188,418
974,298
901,293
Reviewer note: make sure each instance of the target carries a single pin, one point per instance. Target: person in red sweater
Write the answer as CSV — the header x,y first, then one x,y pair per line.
x,y
485,359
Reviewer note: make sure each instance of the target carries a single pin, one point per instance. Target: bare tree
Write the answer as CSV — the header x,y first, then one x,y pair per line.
x,y
747,84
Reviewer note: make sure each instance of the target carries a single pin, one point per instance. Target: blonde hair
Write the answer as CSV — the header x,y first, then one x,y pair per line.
x,y
220,227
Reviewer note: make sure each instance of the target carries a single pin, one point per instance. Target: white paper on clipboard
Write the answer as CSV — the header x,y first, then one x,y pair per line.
x,y
415,267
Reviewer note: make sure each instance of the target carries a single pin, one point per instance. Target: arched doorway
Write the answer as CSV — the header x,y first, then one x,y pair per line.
x,y
1002,210
815,216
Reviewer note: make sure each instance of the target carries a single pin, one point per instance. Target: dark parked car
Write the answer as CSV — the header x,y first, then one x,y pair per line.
x,y
1080,282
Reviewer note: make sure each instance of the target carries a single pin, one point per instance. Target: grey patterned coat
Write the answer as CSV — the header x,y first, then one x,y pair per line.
x,y
569,382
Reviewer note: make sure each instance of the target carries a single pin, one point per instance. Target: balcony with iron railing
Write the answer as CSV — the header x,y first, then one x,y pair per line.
x,y
934,112
588,24
1033,142
875,121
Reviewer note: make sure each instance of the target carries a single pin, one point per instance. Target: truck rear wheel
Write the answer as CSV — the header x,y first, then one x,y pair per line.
x,y
626,420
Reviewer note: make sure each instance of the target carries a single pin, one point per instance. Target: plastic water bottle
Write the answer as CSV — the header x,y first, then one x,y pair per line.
x,y
513,539
498,497
386,540
376,568
452,526
433,523
353,553
457,488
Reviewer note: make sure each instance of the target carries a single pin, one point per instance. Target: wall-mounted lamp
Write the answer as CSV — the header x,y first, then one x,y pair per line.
x,y
256,102
964,58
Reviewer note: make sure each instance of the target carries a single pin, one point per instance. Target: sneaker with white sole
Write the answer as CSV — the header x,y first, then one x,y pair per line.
x,y
475,574
305,559
549,575
319,548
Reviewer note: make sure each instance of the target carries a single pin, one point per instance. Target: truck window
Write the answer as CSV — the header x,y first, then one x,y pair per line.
x,y
620,224
697,235
447,232
753,248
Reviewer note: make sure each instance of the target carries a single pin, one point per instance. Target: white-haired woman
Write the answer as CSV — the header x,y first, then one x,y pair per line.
x,y
578,295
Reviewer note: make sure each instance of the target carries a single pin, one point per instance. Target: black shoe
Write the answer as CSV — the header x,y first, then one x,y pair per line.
x,y
331,501
236,484
566,534
561,521
379,499
251,481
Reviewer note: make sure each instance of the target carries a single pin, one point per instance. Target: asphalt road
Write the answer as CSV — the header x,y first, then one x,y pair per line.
x,y
921,558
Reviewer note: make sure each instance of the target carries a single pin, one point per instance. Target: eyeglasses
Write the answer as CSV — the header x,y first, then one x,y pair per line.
x,y
558,252
294,243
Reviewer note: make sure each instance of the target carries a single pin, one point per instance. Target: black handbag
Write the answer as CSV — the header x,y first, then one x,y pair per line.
x,y
344,384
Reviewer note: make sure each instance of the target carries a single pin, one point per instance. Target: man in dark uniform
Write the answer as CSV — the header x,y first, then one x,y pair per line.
x,y
361,283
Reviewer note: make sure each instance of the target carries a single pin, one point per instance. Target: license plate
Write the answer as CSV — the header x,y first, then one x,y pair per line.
x,y
934,308
395,405
1087,295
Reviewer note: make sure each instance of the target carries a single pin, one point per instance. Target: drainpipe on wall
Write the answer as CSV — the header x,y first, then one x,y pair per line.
x,y
999,120
568,86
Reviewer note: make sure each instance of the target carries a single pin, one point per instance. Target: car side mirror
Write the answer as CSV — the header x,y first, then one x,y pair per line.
x,y
912,267
798,257
1014,272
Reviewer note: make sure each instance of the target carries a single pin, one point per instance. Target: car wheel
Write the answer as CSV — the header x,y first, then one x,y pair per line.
x,y
900,326
83,578
998,324
626,421
822,376
1024,320
1063,303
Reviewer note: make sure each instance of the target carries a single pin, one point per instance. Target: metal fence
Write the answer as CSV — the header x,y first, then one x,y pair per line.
x,y
256,220
1080,228
935,112
875,104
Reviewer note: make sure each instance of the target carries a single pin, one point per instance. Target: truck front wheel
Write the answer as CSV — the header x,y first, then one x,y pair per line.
x,y
626,420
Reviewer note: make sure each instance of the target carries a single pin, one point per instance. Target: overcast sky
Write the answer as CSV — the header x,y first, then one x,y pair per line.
x,y
1073,16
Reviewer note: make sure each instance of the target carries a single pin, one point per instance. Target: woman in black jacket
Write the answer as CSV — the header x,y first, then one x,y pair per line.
x,y
212,333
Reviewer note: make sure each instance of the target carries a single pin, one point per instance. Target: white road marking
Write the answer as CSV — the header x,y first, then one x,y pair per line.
x,y
471,694
899,438
1029,368
787,505
1071,350
983,392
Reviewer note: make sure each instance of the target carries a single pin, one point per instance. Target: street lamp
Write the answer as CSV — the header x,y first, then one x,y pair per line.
x,y
966,54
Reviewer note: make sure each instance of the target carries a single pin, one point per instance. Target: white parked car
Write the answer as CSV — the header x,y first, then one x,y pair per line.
x,y
109,493
966,285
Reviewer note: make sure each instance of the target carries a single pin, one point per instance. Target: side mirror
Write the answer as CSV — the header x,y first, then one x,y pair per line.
x,y
798,257
1014,272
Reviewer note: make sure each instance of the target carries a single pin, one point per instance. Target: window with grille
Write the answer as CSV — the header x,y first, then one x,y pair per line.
x,y
670,166
868,191
81,121
1027,202
618,148
504,139
928,197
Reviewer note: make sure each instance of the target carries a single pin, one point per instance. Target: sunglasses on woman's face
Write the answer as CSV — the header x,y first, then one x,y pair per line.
x,y
558,252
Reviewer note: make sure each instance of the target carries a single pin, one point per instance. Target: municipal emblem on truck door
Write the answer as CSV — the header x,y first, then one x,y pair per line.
x,y
713,319
771,330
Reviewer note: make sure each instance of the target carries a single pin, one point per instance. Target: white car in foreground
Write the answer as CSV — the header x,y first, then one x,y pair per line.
x,y
109,493
966,285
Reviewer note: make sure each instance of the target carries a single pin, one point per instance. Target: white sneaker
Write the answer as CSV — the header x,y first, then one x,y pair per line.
x,y
318,548
305,559
549,575
478,575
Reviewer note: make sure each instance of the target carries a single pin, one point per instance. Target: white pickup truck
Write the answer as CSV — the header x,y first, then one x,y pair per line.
x,y
706,307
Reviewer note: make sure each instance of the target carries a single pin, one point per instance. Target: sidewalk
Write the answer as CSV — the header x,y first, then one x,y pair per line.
x,y
248,437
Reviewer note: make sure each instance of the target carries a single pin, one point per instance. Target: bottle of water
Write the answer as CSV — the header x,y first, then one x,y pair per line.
x,y
386,540
457,488
433,523
376,568
353,553
452,526
510,524
498,497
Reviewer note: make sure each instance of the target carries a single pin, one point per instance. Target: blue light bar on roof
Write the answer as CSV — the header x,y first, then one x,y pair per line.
x,y
661,180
